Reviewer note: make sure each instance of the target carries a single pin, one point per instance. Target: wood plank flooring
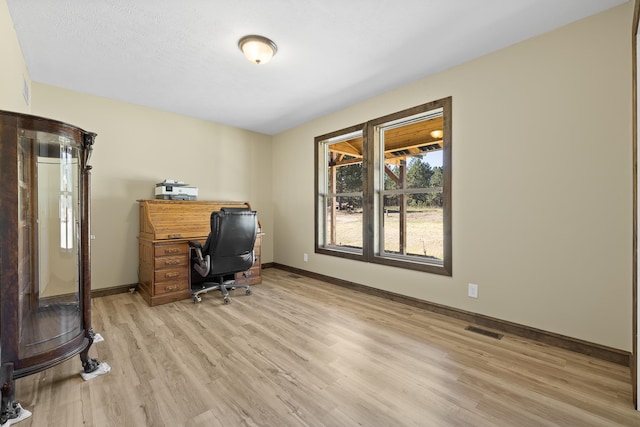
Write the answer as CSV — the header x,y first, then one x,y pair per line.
x,y
300,352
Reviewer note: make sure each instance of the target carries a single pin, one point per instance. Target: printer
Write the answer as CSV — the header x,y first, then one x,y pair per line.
x,y
175,190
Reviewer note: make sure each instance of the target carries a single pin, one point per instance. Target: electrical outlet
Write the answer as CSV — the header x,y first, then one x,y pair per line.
x,y
306,257
473,290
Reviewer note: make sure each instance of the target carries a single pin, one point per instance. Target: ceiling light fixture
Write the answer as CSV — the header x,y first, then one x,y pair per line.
x,y
437,134
257,49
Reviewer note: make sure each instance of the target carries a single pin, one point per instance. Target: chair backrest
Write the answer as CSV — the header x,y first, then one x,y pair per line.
x,y
230,244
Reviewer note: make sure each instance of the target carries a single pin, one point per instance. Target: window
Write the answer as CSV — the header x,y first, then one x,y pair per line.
x,y
340,192
384,190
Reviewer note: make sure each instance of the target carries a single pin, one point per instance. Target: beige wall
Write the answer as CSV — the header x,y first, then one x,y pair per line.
x,y
137,147
542,184
13,70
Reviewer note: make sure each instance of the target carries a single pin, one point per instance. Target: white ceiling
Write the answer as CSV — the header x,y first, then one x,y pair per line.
x,y
182,55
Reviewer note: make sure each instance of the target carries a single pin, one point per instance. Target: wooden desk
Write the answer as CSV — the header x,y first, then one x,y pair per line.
x,y
165,228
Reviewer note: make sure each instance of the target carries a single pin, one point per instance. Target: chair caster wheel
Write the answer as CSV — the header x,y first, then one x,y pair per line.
x,y
196,299
227,300
248,292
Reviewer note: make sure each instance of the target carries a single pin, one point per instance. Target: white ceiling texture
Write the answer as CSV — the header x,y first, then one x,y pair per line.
x,y
182,56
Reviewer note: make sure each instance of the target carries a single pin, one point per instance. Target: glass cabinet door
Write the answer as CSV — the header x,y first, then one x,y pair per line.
x,y
49,304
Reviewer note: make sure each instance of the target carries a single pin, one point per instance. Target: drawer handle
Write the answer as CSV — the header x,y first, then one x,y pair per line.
x,y
170,288
172,251
172,262
175,236
172,274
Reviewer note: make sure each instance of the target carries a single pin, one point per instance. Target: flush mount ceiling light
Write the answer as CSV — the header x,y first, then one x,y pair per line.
x,y
437,134
257,49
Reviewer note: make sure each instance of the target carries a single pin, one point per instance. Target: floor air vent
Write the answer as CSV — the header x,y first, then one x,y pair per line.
x,y
483,332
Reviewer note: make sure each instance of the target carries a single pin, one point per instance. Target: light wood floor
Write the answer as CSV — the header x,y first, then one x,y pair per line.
x,y
300,352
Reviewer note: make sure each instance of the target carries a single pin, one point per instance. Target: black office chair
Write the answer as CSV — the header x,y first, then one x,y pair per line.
x,y
228,250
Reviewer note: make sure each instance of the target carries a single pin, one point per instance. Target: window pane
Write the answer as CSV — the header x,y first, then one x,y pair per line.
x,y
412,220
422,227
348,223
341,192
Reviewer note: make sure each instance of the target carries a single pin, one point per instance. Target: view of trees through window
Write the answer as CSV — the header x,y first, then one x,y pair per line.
x,y
383,190
344,208
420,210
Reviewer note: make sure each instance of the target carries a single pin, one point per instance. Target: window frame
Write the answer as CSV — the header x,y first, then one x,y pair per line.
x,y
319,207
371,228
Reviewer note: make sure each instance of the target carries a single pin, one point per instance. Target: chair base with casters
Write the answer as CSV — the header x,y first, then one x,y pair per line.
x,y
221,285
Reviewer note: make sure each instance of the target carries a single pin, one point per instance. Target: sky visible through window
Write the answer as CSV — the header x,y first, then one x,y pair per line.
x,y
434,158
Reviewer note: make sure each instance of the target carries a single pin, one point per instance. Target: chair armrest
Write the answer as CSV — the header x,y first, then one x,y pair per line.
x,y
193,244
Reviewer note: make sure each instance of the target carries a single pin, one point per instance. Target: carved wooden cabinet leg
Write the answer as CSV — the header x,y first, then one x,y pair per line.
x,y
89,364
10,408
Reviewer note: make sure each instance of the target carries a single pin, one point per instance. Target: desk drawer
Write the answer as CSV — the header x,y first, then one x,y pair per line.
x,y
170,249
251,280
170,286
171,274
252,276
171,262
